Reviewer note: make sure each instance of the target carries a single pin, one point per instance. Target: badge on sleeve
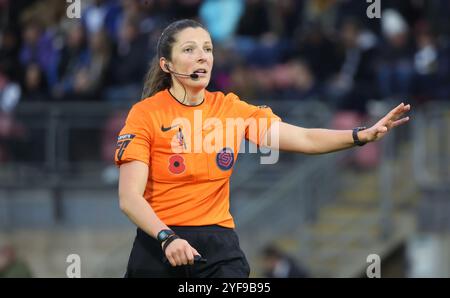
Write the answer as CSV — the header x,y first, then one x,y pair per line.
x,y
122,143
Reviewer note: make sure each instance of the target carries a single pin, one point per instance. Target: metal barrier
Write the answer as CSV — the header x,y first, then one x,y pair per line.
x,y
46,156
431,140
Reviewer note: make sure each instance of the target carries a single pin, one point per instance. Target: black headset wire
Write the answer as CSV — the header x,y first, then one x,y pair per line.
x,y
175,76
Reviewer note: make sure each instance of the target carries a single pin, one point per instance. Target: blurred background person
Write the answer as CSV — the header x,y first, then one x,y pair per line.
x,y
279,265
128,64
11,265
72,60
395,65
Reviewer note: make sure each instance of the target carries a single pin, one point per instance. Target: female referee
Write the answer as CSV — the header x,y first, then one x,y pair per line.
x,y
177,193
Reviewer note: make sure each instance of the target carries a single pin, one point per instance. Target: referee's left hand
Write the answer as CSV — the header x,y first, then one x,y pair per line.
x,y
391,120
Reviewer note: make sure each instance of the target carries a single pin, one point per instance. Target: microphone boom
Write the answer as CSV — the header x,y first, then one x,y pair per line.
x,y
192,75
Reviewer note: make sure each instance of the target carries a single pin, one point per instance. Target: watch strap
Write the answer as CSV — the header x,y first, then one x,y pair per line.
x,y
356,140
169,240
163,235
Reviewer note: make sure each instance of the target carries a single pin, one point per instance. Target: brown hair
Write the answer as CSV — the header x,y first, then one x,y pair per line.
x,y
156,79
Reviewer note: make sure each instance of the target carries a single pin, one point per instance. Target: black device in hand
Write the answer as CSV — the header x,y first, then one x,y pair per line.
x,y
200,259
197,259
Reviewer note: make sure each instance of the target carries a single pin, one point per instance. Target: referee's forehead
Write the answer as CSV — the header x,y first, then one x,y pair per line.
x,y
193,35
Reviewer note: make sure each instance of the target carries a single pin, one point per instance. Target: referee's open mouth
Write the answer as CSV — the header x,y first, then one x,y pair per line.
x,y
201,72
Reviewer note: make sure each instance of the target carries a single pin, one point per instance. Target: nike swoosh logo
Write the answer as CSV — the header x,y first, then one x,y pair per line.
x,y
164,129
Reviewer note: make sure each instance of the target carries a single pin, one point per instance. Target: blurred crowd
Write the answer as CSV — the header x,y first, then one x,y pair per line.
x,y
326,50
313,49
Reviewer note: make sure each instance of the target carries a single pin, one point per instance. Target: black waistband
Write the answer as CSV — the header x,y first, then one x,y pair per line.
x,y
209,228
178,229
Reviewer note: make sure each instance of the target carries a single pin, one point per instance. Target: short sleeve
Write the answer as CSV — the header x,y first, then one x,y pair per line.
x,y
134,140
258,119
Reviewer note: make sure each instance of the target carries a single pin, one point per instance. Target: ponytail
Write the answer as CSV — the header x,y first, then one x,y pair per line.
x,y
155,80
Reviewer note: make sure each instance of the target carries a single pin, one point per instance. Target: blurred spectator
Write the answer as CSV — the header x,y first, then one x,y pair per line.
x,y
34,84
11,266
9,52
37,47
285,17
256,39
279,265
141,12
241,84
90,78
431,65
254,21
48,13
74,58
149,19
313,45
129,64
11,130
322,13
437,15
225,61
101,15
352,85
395,67
9,93
303,85
411,10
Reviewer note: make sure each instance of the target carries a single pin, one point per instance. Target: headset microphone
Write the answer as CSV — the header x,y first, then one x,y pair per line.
x,y
192,75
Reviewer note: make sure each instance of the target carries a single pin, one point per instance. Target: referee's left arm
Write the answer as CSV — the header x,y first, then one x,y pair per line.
x,y
287,137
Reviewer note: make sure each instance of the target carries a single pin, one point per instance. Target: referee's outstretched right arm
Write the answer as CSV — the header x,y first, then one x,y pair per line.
x,y
132,182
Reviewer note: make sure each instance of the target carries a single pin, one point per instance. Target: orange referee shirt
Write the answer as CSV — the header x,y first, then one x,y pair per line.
x,y
190,151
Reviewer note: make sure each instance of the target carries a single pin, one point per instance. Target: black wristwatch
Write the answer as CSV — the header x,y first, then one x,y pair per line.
x,y
163,235
356,140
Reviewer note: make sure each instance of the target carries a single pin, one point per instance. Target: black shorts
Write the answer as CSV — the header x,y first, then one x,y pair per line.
x,y
219,245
